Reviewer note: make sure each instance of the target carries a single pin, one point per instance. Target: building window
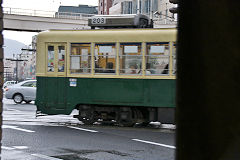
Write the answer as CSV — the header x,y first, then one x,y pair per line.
x,y
105,58
155,5
157,58
130,8
130,58
140,7
147,6
80,58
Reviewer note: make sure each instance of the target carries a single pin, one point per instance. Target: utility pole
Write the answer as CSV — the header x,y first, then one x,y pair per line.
x,y
151,9
16,60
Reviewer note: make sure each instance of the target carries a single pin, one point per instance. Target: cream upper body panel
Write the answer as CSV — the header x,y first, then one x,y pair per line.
x,y
117,35
100,36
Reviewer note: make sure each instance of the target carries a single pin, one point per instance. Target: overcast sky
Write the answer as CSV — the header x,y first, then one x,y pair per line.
x,y
48,5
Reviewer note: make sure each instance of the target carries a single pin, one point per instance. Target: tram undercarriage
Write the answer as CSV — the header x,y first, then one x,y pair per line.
x,y
122,115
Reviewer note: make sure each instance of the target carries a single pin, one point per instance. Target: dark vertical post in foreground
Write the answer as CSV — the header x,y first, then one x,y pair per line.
x,y
1,71
208,80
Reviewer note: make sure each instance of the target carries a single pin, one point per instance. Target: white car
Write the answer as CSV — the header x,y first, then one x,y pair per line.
x,y
23,91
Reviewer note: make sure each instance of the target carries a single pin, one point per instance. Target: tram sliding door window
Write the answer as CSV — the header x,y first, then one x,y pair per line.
x,y
157,58
130,58
50,58
80,58
61,58
105,58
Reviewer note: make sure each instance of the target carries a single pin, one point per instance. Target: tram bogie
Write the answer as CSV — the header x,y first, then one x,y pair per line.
x,y
120,115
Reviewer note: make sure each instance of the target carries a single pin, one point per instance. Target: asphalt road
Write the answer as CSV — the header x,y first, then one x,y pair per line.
x,y
63,137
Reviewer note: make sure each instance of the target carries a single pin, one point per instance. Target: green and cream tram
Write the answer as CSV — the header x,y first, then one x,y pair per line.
x,y
114,75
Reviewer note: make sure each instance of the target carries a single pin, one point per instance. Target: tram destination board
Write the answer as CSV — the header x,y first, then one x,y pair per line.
x,y
120,21
99,20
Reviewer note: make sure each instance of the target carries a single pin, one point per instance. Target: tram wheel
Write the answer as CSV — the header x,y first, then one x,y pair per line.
x,y
125,117
86,115
145,124
87,121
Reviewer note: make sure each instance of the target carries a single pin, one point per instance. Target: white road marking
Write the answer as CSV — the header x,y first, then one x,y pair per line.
x,y
45,157
7,148
16,128
20,147
82,129
154,143
9,109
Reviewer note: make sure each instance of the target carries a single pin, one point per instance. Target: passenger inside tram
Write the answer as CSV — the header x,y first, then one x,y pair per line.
x,y
109,68
165,70
148,71
133,69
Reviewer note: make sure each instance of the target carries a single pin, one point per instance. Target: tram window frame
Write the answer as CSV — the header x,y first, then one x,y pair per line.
x,y
108,67
79,58
134,67
160,57
174,58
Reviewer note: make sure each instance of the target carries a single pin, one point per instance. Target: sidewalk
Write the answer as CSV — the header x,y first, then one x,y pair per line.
x,y
9,153
17,155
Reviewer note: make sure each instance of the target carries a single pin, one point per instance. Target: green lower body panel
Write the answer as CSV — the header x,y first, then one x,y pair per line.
x,y
60,95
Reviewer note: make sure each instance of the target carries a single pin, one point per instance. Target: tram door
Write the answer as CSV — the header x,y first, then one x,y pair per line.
x,y
56,76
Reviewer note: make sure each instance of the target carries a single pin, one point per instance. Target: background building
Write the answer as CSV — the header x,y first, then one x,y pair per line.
x,y
76,12
147,7
22,66
9,70
156,9
79,9
103,6
163,9
26,68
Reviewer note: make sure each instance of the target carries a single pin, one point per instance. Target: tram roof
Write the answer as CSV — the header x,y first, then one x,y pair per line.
x,y
109,35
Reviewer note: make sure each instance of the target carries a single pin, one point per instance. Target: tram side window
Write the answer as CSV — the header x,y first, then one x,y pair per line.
x,y
157,58
174,58
50,59
80,58
105,58
130,58
61,58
